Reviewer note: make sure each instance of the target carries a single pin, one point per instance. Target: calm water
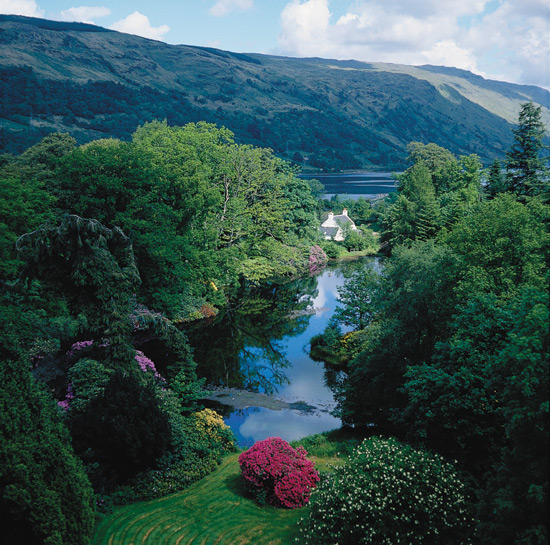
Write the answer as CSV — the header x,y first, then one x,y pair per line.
x,y
360,184
273,356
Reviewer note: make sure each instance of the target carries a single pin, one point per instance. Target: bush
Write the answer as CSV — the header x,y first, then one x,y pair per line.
x,y
278,474
123,429
389,493
331,249
317,259
215,434
199,443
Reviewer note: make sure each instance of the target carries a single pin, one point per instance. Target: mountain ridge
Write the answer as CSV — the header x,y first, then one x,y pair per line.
x,y
331,114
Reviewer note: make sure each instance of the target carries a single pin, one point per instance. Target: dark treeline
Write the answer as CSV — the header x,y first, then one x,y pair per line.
x,y
450,349
107,109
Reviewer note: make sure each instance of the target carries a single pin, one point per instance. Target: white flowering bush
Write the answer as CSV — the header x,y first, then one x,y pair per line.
x,y
389,493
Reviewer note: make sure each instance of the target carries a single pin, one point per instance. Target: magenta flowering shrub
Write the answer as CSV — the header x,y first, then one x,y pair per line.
x,y
147,365
278,474
65,404
77,347
317,259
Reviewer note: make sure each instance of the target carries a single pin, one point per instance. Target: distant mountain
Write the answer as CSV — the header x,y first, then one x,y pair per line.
x,y
94,83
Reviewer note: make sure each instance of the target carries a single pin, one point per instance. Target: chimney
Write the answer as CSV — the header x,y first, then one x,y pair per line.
x,y
345,212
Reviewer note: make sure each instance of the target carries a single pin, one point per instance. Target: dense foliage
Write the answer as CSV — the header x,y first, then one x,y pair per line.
x,y
388,492
109,247
45,495
278,474
450,346
203,212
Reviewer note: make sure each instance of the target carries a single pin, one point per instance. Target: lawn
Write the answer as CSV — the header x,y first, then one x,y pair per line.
x,y
215,510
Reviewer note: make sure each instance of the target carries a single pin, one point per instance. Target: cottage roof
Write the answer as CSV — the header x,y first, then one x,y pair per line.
x,y
338,220
329,231
343,219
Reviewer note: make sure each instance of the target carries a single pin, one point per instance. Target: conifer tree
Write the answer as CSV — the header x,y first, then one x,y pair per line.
x,y
45,495
526,173
93,269
416,213
495,181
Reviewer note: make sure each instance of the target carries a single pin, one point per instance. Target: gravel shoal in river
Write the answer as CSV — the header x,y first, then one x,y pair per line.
x,y
242,399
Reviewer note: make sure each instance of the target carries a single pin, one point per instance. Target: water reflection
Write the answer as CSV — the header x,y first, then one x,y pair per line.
x,y
255,423
244,347
262,345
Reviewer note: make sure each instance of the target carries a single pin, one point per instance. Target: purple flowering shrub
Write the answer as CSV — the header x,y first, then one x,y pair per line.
x,y
65,404
77,348
278,474
317,259
147,365
88,377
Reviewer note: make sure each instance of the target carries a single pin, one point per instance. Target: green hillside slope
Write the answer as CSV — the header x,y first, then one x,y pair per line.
x,y
94,83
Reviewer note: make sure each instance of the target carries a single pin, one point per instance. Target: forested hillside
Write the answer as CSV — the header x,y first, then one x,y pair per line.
x,y
326,114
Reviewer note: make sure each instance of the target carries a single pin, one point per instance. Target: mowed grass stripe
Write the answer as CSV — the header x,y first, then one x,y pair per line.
x,y
214,511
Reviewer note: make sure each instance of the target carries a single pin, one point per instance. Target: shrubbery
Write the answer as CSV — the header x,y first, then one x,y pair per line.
x,y
389,493
317,259
331,249
278,474
199,443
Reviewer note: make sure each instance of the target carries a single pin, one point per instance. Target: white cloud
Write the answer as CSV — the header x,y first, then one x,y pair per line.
x,y
223,7
514,41
21,7
509,40
139,24
448,53
304,27
84,14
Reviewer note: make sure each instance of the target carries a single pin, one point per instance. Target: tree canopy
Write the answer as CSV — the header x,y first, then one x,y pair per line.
x,y
455,355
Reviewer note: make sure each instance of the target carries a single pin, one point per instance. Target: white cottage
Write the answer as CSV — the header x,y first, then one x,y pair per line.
x,y
332,227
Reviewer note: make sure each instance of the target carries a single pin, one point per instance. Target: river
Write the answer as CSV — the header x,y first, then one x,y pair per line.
x,y
262,346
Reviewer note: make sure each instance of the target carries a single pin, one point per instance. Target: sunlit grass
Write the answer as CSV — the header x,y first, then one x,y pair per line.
x,y
215,510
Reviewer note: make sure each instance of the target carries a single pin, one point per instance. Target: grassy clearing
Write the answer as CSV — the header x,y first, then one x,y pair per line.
x,y
216,510
344,255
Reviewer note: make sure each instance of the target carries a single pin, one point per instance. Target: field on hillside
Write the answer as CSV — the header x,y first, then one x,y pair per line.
x,y
215,510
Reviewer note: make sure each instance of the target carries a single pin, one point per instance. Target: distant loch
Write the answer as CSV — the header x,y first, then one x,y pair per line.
x,y
353,185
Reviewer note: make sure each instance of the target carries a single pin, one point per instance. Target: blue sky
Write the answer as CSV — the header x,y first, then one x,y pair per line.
x,y
507,40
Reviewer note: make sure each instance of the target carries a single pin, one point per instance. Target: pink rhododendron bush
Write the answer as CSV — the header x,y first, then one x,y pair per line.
x,y
278,474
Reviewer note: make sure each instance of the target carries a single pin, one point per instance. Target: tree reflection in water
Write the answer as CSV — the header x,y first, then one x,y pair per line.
x,y
244,346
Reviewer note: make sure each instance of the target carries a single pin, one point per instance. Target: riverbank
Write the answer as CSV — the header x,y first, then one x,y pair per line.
x,y
351,256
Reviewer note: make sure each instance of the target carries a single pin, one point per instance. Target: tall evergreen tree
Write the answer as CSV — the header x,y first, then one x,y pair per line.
x,y
416,212
45,495
495,181
526,173
94,270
